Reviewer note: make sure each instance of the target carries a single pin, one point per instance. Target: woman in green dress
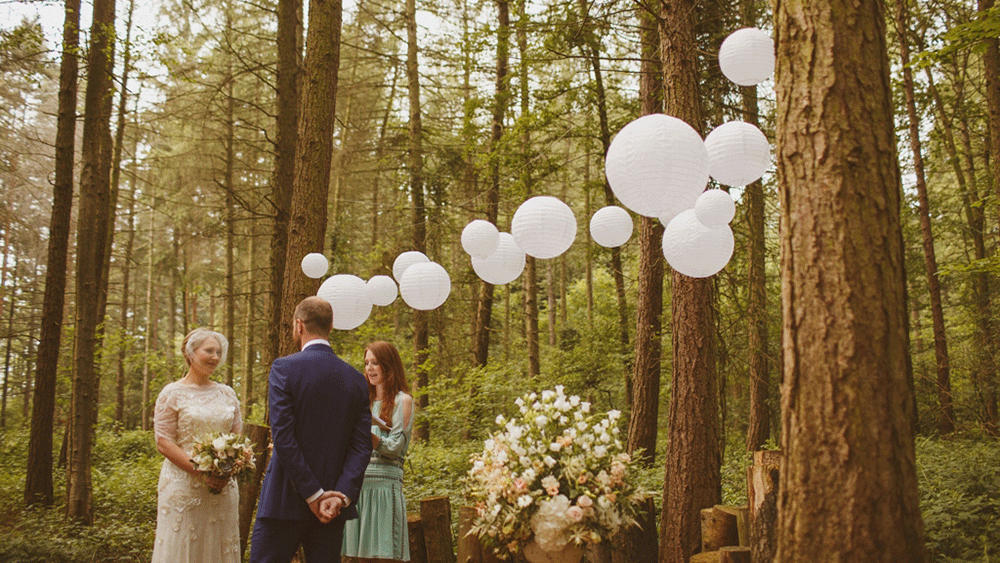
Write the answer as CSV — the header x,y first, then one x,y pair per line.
x,y
380,533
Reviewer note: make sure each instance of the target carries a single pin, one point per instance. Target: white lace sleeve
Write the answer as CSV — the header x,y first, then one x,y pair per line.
x,y
237,415
165,414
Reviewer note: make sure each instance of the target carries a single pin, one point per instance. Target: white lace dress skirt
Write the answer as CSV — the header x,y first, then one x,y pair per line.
x,y
194,525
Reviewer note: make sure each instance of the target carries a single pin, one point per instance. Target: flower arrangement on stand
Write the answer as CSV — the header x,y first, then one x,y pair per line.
x,y
224,455
552,480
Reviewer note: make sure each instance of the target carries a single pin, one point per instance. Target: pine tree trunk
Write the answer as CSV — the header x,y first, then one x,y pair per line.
x,y
313,153
946,410
126,296
150,318
289,43
90,244
12,292
692,476
230,212
421,327
531,265
849,486
991,72
250,313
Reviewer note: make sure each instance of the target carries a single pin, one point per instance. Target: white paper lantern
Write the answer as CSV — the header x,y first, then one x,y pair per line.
x,y
405,260
347,297
315,265
611,226
694,249
425,286
480,238
738,153
657,165
543,227
504,265
747,56
381,290
715,208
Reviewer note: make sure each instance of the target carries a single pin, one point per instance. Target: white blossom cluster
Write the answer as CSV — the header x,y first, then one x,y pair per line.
x,y
554,474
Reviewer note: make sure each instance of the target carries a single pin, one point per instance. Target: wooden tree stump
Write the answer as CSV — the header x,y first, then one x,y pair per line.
x,y
734,554
705,557
470,549
719,528
418,549
638,543
260,436
435,512
762,494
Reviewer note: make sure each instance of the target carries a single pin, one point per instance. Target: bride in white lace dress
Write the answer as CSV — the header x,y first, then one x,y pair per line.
x,y
194,525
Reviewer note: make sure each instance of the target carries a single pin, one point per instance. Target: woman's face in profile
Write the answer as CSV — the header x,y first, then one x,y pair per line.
x,y
373,370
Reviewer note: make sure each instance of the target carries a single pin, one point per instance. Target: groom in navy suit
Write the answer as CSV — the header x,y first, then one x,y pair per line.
x,y
321,431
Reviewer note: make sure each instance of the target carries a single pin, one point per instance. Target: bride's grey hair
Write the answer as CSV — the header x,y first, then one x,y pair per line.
x,y
197,337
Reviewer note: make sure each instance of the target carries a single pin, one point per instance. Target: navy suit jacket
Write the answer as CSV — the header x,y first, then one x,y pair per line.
x,y
321,431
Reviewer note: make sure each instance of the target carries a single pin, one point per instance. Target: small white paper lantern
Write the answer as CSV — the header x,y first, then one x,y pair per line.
x,y
543,227
405,260
381,290
504,265
657,165
715,208
611,226
695,250
480,238
425,286
346,294
747,56
738,153
315,265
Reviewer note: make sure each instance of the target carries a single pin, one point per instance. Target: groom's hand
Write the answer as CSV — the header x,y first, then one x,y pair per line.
x,y
321,506
332,505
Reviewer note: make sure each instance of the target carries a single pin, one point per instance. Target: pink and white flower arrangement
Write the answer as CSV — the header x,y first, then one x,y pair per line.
x,y
556,474
224,455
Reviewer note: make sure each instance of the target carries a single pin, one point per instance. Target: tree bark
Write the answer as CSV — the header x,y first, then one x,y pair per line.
x,y
991,71
849,486
90,240
229,186
693,478
126,296
531,270
12,292
313,153
38,479
946,409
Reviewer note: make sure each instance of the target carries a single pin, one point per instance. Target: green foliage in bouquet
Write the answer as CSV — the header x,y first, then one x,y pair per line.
x,y
224,455
557,474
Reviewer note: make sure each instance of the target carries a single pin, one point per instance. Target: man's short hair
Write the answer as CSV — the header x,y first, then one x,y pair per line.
x,y
316,314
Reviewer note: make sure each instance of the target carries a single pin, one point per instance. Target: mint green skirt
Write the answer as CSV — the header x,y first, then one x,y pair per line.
x,y
380,530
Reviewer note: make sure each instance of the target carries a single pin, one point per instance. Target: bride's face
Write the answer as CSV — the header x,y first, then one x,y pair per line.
x,y
373,370
207,356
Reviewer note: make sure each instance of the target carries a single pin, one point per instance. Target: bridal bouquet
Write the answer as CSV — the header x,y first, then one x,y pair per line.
x,y
556,475
223,455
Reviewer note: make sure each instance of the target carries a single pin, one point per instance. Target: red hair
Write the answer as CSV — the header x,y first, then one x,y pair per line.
x,y
393,375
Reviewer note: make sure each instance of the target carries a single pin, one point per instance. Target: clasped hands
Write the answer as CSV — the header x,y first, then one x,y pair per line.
x,y
328,505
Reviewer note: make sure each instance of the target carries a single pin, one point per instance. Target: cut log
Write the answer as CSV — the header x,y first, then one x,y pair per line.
x,y
734,554
638,543
719,528
470,550
435,512
762,494
742,522
250,490
418,551
705,557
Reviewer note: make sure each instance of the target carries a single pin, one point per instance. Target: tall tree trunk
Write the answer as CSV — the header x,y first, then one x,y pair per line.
x,y
531,271
849,486
126,295
946,410
484,309
644,415
991,71
38,477
313,152
250,313
150,317
12,292
90,241
693,478
289,42
230,214
415,163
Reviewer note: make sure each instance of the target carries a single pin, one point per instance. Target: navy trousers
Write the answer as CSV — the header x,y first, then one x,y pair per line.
x,y
275,540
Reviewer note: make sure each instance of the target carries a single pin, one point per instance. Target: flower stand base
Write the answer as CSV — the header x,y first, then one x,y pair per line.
x,y
569,554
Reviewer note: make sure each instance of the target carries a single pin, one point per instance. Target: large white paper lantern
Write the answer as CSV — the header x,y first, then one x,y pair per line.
x,y
715,208
381,290
657,166
405,260
738,153
347,297
543,227
504,265
611,226
425,286
315,265
747,56
695,250
480,238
